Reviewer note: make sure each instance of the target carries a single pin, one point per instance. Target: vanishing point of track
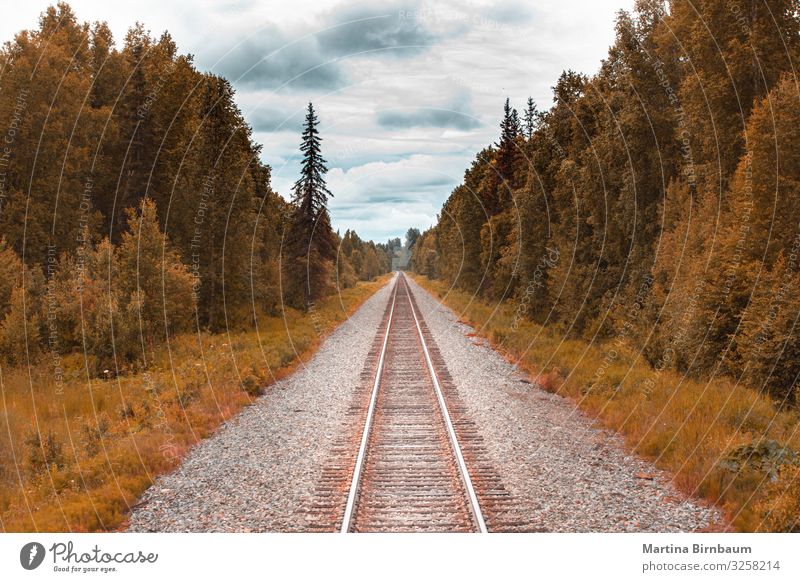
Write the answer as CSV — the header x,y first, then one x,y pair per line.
x,y
409,472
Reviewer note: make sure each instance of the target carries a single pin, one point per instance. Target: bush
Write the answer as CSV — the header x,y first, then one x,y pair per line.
x,y
252,382
153,283
780,504
43,454
766,456
19,329
93,433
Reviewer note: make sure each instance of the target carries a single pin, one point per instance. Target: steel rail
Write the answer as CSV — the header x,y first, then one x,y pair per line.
x,y
462,466
362,450
352,497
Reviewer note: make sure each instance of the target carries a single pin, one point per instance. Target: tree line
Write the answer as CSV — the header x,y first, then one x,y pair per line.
x,y
656,202
134,203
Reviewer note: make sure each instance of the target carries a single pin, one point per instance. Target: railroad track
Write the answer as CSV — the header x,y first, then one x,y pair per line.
x,y
409,472
408,457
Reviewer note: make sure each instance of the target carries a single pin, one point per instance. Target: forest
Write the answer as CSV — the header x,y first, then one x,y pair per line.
x,y
635,247
140,234
134,202
656,201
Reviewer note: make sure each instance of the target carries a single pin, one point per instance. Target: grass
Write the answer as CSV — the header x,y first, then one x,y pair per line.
x,y
76,456
718,439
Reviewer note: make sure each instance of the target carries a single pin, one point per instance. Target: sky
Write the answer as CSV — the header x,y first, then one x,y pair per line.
x,y
406,92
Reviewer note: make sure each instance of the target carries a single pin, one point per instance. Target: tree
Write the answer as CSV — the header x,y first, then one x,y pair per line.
x,y
768,346
531,118
311,248
371,263
753,43
132,190
670,180
156,288
21,326
425,255
506,147
412,234
10,275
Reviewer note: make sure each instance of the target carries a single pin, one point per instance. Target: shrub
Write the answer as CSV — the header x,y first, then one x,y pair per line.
x,y
10,271
252,383
153,282
780,504
93,433
19,330
766,456
45,453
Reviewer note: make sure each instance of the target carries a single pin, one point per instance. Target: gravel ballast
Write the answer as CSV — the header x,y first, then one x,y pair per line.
x,y
564,473
259,472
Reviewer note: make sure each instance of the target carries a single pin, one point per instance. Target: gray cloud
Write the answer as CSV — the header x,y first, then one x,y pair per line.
x,y
370,28
427,117
379,177
345,158
268,119
269,60
511,12
455,115
311,58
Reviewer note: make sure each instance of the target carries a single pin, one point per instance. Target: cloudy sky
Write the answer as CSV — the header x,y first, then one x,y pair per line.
x,y
407,92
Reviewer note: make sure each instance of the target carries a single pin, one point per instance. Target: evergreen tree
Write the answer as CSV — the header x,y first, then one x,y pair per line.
x,y
516,123
531,118
506,156
311,248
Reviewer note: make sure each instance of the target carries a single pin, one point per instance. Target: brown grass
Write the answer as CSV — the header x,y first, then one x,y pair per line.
x,y
77,459
687,426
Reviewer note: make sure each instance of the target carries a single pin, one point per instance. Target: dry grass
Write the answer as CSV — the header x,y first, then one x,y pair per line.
x,y
76,459
686,426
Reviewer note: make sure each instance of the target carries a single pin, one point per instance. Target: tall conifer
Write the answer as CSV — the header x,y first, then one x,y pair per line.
x,y
531,116
311,241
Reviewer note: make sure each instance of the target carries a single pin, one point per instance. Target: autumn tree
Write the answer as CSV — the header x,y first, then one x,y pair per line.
x,y
156,288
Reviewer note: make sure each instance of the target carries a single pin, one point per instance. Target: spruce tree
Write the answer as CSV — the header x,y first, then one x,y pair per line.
x,y
311,248
531,117
506,155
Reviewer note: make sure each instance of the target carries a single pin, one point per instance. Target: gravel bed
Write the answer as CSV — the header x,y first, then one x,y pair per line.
x,y
565,474
259,470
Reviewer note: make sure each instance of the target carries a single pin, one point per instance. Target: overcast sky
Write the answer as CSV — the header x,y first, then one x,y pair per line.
x,y
407,92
